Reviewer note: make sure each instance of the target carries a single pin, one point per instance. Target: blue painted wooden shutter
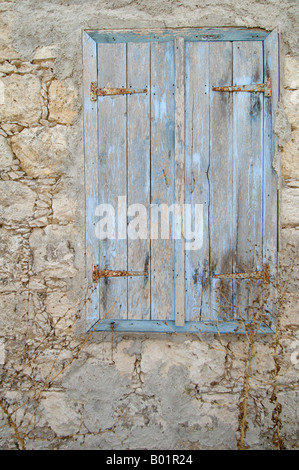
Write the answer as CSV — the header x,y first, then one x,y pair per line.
x,y
133,147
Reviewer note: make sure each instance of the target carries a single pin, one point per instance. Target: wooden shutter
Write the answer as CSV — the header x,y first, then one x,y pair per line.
x,y
179,139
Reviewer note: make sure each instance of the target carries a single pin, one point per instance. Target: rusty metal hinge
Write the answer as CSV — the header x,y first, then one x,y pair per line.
x,y
263,275
97,274
106,91
257,88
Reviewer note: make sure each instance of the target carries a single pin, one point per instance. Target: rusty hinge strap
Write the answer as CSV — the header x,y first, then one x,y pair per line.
x,y
106,91
97,274
257,88
264,275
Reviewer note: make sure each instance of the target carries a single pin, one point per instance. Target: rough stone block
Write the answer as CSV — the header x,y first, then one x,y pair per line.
x,y
13,255
62,97
45,52
289,260
289,206
64,209
289,312
7,51
290,157
291,77
17,202
291,103
53,252
6,154
22,99
42,151
13,308
61,414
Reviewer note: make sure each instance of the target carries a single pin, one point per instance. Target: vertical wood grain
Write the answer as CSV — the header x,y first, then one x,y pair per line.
x,y
247,174
197,161
91,173
138,160
113,173
179,180
162,175
220,177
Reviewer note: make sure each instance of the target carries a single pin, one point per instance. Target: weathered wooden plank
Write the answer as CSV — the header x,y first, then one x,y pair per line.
x,y
113,175
179,181
156,326
247,175
190,34
162,177
138,155
197,180
220,179
91,174
270,210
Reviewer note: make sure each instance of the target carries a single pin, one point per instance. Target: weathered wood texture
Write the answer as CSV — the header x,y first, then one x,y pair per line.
x,y
112,140
162,176
138,161
190,34
182,142
247,175
197,158
91,173
221,181
179,181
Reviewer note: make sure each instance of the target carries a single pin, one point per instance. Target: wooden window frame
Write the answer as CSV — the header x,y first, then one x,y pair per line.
x,y
270,212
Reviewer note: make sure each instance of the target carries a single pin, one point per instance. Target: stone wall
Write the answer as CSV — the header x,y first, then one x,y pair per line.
x,y
61,388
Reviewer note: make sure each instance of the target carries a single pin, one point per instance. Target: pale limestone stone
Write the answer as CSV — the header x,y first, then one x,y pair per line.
x,y
289,312
61,414
2,351
61,310
45,52
58,305
291,79
53,252
7,67
12,254
11,128
62,97
208,367
17,202
290,157
291,103
289,259
36,284
42,151
13,308
7,51
289,237
22,99
289,206
6,154
64,209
